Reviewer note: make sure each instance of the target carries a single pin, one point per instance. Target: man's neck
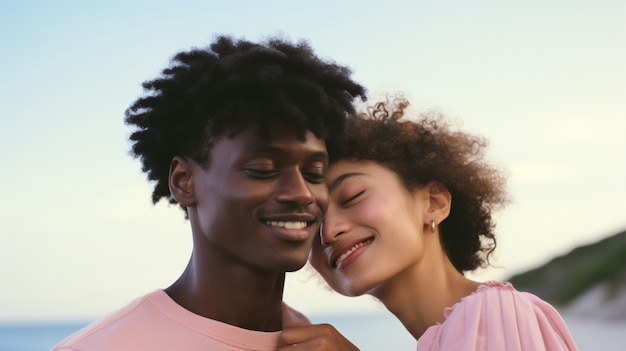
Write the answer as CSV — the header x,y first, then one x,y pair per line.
x,y
234,294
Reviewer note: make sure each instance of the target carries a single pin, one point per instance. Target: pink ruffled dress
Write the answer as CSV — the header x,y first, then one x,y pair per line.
x,y
496,317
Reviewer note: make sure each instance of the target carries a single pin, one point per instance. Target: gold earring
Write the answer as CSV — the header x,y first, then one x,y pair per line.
x,y
432,226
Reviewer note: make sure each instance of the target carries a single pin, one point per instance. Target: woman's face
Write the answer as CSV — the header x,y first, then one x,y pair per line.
x,y
372,230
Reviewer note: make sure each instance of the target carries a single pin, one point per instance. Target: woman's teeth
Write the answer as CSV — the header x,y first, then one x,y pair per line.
x,y
347,253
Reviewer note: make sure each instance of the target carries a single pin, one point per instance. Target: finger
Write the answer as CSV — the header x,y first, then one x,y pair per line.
x,y
321,343
314,337
293,347
301,334
294,335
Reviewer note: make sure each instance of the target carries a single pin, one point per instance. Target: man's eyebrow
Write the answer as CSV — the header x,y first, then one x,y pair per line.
x,y
263,148
269,149
335,183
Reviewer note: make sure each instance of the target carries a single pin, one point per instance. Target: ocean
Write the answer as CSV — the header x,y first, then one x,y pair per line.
x,y
35,336
369,332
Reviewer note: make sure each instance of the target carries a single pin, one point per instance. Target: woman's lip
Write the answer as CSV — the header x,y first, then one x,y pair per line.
x,y
345,252
353,254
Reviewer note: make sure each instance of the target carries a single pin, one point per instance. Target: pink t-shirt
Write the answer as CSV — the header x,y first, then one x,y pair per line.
x,y
498,317
155,322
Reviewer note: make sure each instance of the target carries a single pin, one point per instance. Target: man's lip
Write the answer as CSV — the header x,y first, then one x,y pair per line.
x,y
344,247
300,217
291,234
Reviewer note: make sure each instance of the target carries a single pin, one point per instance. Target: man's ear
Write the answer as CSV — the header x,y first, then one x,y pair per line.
x,y
181,181
440,201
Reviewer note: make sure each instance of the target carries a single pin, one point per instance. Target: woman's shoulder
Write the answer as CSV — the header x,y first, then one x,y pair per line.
x,y
498,302
500,296
497,316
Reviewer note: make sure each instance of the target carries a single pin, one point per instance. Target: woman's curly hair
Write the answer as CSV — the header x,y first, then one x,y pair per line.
x,y
209,92
426,149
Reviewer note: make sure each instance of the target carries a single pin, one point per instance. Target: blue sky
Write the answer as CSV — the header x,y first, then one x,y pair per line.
x,y
544,81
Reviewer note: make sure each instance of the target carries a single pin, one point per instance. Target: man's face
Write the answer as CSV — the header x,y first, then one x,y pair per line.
x,y
259,203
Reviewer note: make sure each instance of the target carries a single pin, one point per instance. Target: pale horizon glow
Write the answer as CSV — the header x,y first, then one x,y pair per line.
x,y
544,82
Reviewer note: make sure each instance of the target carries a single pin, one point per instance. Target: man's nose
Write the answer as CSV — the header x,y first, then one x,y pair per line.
x,y
293,188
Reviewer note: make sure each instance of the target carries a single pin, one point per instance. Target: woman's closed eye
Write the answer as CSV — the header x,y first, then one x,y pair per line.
x,y
352,198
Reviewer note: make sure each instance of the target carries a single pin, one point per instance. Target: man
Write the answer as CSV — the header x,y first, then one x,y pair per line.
x,y
236,135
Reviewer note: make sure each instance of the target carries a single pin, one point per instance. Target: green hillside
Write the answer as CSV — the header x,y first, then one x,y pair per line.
x,y
567,277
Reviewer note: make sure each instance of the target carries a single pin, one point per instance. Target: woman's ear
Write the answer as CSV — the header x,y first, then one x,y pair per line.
x,y
440,201
181,181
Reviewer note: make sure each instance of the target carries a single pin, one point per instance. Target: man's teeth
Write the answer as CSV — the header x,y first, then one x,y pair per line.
x,y
287,225
347,253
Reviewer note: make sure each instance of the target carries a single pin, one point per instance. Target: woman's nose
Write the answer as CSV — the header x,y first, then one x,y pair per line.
x,y
332,228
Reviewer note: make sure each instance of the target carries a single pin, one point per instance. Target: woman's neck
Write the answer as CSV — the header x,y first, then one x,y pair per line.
x,y
419,295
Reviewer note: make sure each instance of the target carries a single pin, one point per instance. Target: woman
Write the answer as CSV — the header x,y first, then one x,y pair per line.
x,y
410,212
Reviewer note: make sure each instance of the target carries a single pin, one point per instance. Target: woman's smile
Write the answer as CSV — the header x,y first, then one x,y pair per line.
x,y
340,258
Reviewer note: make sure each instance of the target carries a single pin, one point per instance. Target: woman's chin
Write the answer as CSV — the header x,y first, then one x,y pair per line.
x,y
353,290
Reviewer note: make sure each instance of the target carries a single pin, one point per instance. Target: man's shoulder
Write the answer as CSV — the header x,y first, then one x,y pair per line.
x,y
155,322
107,327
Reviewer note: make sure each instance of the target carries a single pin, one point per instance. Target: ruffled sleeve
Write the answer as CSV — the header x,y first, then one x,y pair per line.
x,y
498,317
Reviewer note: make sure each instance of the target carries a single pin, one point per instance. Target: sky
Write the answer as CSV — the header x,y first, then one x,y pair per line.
x,y
543,81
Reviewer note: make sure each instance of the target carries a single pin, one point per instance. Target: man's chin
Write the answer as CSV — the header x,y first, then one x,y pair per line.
x,y
295,266
296,263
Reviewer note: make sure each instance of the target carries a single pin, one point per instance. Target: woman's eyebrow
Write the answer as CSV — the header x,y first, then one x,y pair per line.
x,y
335,183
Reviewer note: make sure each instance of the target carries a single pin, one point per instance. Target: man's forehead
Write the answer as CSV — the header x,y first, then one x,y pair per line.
x,y
271,131
283,145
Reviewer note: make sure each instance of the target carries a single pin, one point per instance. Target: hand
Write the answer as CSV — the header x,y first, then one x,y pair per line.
x,y
316,337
